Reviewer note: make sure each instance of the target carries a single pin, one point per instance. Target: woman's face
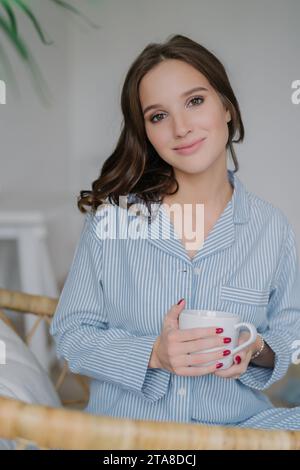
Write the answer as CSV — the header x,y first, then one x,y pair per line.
x,y
180,119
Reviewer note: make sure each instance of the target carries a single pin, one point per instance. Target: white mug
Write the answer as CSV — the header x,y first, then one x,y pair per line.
x,y
228,321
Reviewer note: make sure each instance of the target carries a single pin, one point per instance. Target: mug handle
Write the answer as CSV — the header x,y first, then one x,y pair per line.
x,y
253,335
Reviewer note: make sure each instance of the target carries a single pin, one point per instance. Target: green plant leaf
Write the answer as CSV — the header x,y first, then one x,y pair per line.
x,y
14,38
41,85
9,26
74,10
33,19
23,51
13,23
7,72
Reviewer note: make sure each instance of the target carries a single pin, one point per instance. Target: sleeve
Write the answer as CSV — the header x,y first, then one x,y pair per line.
x,y
80,328
283,318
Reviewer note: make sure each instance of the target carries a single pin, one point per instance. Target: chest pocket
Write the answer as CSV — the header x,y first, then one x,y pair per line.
x,y
250,304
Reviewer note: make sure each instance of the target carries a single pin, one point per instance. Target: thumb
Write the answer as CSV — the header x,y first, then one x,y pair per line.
x,y
174,312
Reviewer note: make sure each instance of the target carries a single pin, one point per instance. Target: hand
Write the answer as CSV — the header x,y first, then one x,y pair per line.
x,y
172,349
241,359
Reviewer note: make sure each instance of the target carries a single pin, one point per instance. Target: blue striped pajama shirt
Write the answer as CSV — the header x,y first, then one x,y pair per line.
x,y
119,289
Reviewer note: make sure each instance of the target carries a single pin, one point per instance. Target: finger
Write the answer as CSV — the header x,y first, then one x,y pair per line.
x,y
235,369
238,359
200,359
171,319
199,345
191,334
242,356
247,357
230,372
196,371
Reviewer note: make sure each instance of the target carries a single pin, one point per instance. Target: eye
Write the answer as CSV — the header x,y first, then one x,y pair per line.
x,y
161,114
155,115
197,98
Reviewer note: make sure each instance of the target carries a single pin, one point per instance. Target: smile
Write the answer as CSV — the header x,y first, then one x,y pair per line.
x,y
191,149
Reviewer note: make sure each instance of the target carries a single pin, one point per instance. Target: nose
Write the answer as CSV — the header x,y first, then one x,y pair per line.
x,y
180,125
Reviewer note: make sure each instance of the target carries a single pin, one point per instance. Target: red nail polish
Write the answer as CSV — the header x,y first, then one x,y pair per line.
x,y
226,352
238,359
181,300
219,330
227,340
220,364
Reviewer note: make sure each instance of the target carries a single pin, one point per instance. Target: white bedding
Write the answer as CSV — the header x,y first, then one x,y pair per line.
x,y
22,377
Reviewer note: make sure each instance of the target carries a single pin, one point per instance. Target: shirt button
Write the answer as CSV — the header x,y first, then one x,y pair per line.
x,y
182,392
197,270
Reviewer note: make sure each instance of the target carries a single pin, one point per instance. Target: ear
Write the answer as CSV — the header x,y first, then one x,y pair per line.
x,y
228,116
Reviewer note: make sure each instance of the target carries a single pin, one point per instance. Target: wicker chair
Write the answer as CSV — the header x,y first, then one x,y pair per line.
x,y
51,428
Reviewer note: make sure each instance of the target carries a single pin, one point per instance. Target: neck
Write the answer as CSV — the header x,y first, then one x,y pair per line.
x,y
211,188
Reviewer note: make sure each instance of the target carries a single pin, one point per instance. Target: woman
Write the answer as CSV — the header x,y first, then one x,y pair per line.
x,y
117,318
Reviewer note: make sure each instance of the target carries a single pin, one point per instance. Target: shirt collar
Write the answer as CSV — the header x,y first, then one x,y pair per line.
x,y
239,201
221,236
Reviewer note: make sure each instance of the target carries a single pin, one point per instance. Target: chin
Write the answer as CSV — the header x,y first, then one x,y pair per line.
x,y
194,168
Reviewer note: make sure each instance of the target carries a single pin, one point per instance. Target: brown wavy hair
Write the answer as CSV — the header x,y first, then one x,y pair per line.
x,y
135,166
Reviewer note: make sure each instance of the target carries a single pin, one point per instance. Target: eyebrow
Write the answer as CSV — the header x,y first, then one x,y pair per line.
x,y
198,88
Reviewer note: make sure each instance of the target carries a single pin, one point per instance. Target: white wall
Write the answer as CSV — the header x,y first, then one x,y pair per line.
x,y
35,139
57,152
257,41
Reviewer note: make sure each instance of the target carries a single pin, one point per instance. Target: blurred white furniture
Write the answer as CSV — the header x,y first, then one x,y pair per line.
x,y
28,229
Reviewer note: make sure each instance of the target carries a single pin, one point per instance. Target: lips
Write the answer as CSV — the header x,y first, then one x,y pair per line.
x,y
189,145
192,148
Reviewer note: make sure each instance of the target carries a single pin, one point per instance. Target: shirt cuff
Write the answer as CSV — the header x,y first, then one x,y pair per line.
x,y
261,378
151,383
